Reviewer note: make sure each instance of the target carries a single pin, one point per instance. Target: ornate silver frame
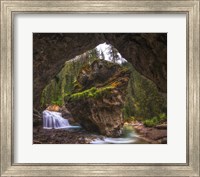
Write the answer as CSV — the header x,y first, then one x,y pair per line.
x,y
8,10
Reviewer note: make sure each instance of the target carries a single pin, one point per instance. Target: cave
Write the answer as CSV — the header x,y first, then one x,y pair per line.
x,y
99,92
147,52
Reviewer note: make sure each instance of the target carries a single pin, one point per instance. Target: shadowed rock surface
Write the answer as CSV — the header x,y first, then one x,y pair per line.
x,y
98,99
146,52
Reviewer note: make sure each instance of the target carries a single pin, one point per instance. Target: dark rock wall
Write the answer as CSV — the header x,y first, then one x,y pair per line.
x,y
147,53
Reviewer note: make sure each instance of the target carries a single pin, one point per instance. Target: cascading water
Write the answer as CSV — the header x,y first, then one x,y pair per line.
x,y
54,120
129,136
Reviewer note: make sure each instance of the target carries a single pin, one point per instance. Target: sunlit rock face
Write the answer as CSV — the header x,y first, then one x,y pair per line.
x,y
97,101
146,52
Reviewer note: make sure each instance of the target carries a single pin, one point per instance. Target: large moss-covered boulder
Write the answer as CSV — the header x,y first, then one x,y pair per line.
x,y
98,98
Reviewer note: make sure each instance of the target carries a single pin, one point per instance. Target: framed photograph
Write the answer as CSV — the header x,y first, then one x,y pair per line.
x,y
100,88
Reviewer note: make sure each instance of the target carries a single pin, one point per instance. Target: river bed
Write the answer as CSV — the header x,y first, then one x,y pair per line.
x,y
54,120
78,135
129,136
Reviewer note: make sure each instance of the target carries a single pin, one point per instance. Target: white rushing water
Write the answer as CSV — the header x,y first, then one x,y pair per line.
x,y
114,141
55,120
129,136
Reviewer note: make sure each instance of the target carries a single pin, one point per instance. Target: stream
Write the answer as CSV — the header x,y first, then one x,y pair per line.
x,y
54,120
129,136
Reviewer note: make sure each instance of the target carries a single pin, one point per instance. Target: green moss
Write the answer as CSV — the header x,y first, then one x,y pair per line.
x,y
65,81
58,102
90,93
143,100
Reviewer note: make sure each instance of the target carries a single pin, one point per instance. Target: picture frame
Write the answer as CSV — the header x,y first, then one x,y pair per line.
x,y
10,8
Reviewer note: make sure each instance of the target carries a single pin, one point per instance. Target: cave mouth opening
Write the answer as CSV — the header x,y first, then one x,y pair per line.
x,y
142,101
109,53
71,69
147,52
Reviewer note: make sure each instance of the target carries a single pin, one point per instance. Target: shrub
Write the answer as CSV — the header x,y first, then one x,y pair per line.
x,y
58,102
155,120
149,123
162,117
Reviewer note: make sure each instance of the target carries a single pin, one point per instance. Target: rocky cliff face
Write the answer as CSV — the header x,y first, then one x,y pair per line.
x,y
146,52
98,98
63,82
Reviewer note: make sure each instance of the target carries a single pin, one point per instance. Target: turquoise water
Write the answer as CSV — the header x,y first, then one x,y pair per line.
x,y
129,136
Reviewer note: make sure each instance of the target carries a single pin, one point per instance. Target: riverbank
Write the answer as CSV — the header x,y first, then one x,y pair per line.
x,y
153,135
62,136
144,135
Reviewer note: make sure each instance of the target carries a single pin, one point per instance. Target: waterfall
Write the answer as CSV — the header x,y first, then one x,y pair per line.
x,y
54,120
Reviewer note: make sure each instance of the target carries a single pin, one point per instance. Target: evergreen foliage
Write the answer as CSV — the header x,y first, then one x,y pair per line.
x,y
65,81
143,102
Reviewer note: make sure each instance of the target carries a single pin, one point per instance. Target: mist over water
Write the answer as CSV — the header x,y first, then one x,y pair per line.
x,y
129,136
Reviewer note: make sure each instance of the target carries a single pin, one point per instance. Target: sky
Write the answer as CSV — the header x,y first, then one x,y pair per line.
x,y
105,49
